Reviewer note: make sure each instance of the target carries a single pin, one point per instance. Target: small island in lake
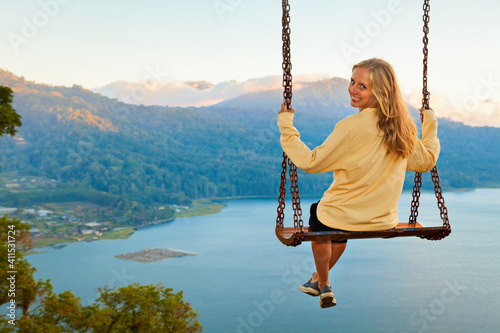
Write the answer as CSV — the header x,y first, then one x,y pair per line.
x,y
152,255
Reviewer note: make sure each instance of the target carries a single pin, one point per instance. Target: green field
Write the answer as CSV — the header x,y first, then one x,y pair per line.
x,y
201,209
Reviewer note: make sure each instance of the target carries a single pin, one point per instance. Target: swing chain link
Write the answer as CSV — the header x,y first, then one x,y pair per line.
x,y
287,100
442,208
287,61
297,210
281,198
434,173
416,197
425,40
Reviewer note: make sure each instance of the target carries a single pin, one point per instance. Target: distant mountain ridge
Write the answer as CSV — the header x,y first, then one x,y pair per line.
x,y
193,93
320,91
327,95
158,155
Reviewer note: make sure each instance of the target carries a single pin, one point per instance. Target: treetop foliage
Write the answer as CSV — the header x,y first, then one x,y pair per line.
x,y
9,119
133,308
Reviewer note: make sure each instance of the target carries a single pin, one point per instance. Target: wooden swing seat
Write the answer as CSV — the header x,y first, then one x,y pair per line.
x,y
289,235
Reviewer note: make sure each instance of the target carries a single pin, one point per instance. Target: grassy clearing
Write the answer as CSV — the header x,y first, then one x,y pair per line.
x,y
207,209
44,242
30,252
121,233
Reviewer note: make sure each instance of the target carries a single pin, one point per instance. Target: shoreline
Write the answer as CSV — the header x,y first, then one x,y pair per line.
x,y
199,208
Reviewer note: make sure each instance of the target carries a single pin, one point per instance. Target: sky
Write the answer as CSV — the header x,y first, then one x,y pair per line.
x,y
92,43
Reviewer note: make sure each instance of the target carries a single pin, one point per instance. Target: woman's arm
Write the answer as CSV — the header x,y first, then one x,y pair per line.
x,y
426,150
324,158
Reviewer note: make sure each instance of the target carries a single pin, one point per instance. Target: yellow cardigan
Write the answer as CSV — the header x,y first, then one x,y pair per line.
x,y
367,182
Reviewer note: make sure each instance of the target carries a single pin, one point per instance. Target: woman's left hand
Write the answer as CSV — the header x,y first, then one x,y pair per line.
x,y
284,109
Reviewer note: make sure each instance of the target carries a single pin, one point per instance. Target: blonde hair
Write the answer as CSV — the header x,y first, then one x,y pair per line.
x,y
394,120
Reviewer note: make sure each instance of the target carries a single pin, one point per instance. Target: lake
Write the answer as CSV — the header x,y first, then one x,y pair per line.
x,y
244,280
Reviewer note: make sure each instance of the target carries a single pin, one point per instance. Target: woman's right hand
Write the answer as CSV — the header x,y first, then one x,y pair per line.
x,y
284,109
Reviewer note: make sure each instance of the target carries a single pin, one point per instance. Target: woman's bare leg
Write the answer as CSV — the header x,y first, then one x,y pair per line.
x,y
337,251
326,254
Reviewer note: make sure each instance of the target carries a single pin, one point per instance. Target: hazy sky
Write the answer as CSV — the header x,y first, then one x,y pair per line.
x,y
95,42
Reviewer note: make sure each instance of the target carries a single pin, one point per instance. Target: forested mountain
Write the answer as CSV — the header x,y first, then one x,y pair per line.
x,y
155,154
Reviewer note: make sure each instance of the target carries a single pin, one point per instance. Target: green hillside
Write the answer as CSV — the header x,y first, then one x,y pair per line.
x,y
91,146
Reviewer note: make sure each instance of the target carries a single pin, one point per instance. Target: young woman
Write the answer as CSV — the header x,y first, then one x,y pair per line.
x,y
369,153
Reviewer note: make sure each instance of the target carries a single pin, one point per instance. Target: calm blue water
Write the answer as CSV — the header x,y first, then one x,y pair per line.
x,y
244,280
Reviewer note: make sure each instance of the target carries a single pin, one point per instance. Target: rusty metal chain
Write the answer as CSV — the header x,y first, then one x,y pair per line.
x,y
442,208
425,40
287,100
281,198
287,61
418,176
294,189
425,104
416,197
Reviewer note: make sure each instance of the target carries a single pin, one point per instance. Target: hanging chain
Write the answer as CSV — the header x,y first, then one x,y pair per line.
x,y
425,40
294,189
281,198
418,176
287,100
442,208
425,104
417,181
287,61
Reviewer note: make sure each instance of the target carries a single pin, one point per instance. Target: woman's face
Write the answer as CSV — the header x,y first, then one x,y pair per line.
x,y
360,90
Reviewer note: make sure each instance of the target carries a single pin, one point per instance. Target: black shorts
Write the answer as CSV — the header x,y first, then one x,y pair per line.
x,y
316,224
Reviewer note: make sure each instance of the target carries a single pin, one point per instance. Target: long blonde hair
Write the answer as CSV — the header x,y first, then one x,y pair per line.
x,y
394,120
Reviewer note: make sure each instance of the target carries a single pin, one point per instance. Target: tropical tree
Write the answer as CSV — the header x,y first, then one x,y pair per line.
x,y
133,308
136,308
9,118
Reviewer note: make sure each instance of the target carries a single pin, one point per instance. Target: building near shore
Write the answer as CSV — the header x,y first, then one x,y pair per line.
x,y
92,225
6,210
